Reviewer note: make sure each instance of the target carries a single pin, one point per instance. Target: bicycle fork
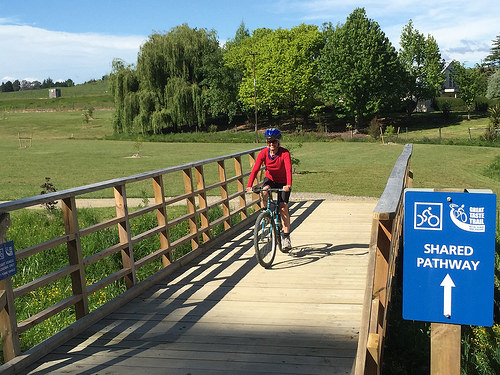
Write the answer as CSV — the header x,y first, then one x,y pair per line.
x,y
277,223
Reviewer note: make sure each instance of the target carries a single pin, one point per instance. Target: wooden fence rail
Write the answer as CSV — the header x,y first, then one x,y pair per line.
x,y
385,243
226,183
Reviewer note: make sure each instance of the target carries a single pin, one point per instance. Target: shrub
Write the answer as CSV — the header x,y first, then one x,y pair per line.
x,y
446,108
374,128
481,104
495,115
48,187
389,131
455,104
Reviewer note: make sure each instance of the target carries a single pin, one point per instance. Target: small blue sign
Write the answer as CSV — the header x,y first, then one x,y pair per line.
x,y
449,257
8,265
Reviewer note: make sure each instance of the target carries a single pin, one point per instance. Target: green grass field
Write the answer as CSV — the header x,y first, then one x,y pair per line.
x,y
80,96
73,153
347,168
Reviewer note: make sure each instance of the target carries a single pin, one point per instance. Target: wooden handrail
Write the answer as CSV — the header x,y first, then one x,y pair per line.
x,y
199,236
385,242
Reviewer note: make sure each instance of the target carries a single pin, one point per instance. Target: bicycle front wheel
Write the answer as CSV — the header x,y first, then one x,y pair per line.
x,y
264,239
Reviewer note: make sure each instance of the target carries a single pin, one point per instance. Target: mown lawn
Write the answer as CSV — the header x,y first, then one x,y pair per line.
x,y
346,168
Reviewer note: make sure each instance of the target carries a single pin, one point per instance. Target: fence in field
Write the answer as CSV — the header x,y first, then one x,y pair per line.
x,y
228,182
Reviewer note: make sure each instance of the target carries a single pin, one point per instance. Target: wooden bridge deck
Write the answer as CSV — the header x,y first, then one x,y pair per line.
x,y
228,315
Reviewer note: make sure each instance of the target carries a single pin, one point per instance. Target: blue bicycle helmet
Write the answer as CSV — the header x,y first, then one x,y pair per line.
x,y
272,133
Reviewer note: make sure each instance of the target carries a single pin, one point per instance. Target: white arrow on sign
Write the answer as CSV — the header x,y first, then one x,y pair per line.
x,y
447,283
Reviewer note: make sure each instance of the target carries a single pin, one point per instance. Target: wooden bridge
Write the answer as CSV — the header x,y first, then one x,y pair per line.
x,y
321,309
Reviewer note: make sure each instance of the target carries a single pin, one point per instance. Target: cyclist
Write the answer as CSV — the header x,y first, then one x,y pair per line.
x,y
278,175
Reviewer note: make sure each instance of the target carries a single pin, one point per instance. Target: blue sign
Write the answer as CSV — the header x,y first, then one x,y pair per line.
x,y
449,257
8,265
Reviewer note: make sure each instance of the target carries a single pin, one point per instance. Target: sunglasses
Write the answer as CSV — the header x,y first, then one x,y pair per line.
x,y
272,141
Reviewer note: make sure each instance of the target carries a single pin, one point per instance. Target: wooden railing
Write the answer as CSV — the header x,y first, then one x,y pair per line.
x,y
385,243
227,184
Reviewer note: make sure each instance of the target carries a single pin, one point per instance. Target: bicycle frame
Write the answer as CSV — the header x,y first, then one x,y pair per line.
x,y
272,206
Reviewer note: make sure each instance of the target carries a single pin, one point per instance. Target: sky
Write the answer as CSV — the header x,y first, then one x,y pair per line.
x,y
78,40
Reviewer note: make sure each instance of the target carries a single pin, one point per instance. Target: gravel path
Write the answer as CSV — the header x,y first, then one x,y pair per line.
x,y
295,197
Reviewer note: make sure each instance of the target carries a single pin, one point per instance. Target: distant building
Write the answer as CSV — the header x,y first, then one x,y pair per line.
x,y
54,93
449,88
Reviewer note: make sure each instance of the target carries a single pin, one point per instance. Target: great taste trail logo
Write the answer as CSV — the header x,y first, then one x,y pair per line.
x,y
470,219
429,216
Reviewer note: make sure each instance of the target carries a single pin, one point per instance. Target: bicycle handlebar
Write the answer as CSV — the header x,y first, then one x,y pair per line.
x,y
259,190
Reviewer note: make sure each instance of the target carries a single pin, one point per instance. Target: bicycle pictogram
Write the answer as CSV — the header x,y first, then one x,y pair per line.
x,y
459,212
428,216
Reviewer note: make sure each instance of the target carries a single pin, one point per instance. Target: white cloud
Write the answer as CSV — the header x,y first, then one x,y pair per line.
x,y
35,52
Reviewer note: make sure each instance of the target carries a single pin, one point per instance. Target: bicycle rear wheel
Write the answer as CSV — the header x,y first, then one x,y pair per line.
x,y
264,239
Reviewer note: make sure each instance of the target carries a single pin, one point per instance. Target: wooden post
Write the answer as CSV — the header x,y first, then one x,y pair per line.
x,y
124,234
445,349
241,186
446,340
8,319
191,206
161,217
202,201
75,256
251,157
224,194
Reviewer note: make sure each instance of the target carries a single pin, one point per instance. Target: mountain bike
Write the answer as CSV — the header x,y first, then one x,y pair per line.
x,y
267,230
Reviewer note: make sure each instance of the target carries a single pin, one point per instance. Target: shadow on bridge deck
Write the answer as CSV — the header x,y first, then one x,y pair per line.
x,y
227,315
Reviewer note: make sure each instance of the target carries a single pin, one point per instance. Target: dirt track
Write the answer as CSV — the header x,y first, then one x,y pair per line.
x,y
295,197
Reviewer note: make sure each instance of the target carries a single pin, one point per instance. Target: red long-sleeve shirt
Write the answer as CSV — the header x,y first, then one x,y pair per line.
x,y
278,168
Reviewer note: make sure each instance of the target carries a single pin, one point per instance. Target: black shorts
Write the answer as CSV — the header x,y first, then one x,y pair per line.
x,y
283,196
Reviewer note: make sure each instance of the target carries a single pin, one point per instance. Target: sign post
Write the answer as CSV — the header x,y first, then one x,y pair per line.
x,y
8,320
448,267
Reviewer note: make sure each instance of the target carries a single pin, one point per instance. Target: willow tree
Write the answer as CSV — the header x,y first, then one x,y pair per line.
x,y
360,71
174,74
124,85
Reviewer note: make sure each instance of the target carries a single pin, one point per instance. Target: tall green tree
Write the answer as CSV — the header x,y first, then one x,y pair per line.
x,y
241,33
286,69
48,83
124,87
16,85
174,83
421,59
359,67
493,90
469,82
493,59
7,86
171,69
